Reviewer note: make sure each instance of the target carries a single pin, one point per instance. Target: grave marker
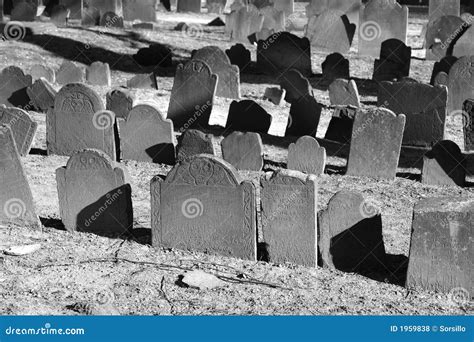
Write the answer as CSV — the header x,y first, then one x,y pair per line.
x,y
15,93
441,33
305,155
335,66
193,6
444,65
22,126
243,150
344,93
295,85
243,22
69,72
120,101
144,10
42,95
304,117
394,61
38,71
460,84
240,56
248,116
98,73
193,142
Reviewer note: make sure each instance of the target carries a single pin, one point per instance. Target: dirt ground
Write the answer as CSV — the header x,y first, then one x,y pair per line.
x,y
127,276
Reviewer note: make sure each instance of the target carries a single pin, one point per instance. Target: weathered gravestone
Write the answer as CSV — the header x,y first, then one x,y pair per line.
x,y
335,66
307,156
441,34
228,76
204,206
94,194
90,15
21,125
146,136
464,45
381,20
192,95
69,72
460,84
424,107
376,144
341,124
189,6
350,8
79,121
289,217
215,6
248,116
243,22
468,124
394,62
111,19
193,142
264,34
74,6
439,8
59,15
275,95
98,73
287,6
13,85
106,6
42,95
295,85
350,234
38,71
240,56
304,117
16,199
143,81
441,245
441,79
283,51
273,19
243,150
444,165
24,10
344,93
144,10
120,101
444,65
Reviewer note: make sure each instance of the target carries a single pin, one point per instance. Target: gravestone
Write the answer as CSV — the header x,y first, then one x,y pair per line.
x,y
273,19
350,233
468,124
424,107
69,72
143,81
94,194
289,217
75,8
441,79
439,8
215,6
203,206
79,121
394,61
38,71
464,45
350,8
248,116
287,6
143,26
295,85
275,95
441,245
344,93
444,164
193,142
444,65
460,84
283,51
441,34
243,22
15,93
376,144
228,76
106,6
240,56
146,136
381,20
59,15
304,117
120,101
243,150
22,126
16,199
98,73
42,95
192,95
335,66
193,6
340,126
263,34
305,155
111,19
90,15
144,10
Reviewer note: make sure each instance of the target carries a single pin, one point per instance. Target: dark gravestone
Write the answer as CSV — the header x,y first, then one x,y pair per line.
x,y
394,61
94,194
304,117
441,35
59,15
24,10
468,124
193,6
243,150
444,65
340,126
335,66
69,72
460,84
21,125
120,101
154,55
90,15
111,19
307,156
203,206
42,95
13,85
240,56
248,116
193,142
295,85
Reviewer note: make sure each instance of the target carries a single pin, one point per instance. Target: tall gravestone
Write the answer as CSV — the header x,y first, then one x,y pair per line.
x,y
193,6
13,85
394,62
21,125
243,150
248,116
241,23
468,124
304,117
120,101
305,155
98,73
203,206
460,84
144,10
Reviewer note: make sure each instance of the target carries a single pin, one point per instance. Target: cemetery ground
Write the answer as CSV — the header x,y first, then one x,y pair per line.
x,y
125,275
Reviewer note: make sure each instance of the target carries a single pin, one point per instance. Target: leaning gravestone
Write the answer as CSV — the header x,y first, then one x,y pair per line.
x,y
295,85
78,121
143,10
203,206
146,136
42,95
468,124
441,245
94,194
193,142
228,81
13,85
350,233
192,95
344,93
21,125
289,217
38,71
438,8
394,62
243,22
120,101
16,199
193,6
335,66
143,81
307,156
381,20
98,73
441,34
444,65
70,73
460,84
243,150
239,55
248,116
304,117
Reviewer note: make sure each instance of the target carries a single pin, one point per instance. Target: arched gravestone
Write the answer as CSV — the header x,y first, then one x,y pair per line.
x,y
203,206
376,144
243,22
460,84
350,8
69,72
111,19
444,164
16,199
94,194
283,51
13,87
304,117
344,93
79,121
146,136
120,101
289,217
239,55
305,155
335,66
444,65
441,245
144,10
38,71
350,234
192,95
441,34
228,84
98,73
381,20
243,150
193,6
248,116
22,127
295,85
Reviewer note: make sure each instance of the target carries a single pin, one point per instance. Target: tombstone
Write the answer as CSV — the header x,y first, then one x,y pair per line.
x,y
344,93
287,6
90,15
330,32
444,164
350,8
120,101
376,144
146,136
275,95
305,155
243,22
394,61
444,65
439,8
14,94
424,107
79,121
335,66
193,6
143,26
440,257
74,7
248,116
215,6
98,73
59,15
154,55
143,10
295,85
350,234
42,95
243,150
15,198
228,76
461,79
193,142
441,34
341,124
24,10
240,56
192,95
289,217
111,19
143,81
261,3
464,45
38,71
203,206
284,51
381,20
273,19
263,34
94,194
69,72
468,124
304,117
22,126
106,6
